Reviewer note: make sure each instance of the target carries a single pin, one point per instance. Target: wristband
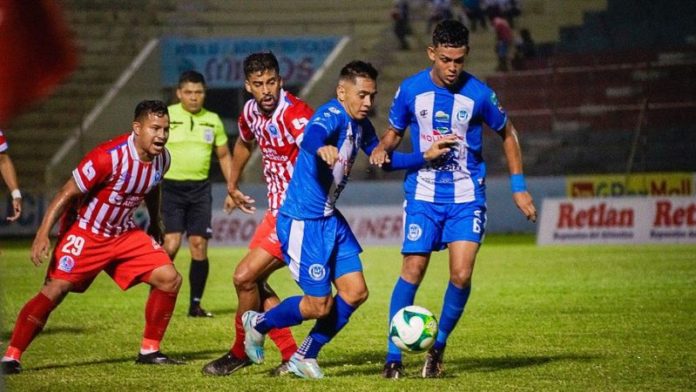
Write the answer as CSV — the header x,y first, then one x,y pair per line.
x,y
16,194
517,183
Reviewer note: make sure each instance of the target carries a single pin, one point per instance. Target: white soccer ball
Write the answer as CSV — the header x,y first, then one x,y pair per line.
x,y
413,329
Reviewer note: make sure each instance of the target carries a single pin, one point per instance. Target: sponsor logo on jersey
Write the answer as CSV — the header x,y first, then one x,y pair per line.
x,y
317,271
66,263
414,232
423,113
208,135
442,131
441,116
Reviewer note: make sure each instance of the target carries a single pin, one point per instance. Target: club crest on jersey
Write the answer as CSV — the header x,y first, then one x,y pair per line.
x,y
414,232
66,263
462,115
208,135
317,271
273,130
158,176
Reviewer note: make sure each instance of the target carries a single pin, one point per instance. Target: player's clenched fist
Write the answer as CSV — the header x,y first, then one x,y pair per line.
x,y
328,154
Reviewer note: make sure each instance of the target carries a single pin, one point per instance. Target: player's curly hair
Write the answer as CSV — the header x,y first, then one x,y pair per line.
x,y
451,33
357,68
191,76
260,62
158,108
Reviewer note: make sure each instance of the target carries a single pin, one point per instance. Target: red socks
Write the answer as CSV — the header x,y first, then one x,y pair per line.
x,y
281,337
158,312
30,322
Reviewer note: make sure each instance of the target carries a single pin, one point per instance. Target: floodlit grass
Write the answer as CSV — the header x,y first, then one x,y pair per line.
x,y
551,318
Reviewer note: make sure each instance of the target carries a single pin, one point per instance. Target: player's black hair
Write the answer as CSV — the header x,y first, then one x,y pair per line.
x,y
260,62
357,68
451,33
158,108
191,76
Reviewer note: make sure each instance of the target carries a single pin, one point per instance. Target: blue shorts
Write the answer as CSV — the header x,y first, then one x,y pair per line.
x,y
318,251
431,226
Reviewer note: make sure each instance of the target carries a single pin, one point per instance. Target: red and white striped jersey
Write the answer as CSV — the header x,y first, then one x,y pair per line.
x,y
278,136
115,181
3,142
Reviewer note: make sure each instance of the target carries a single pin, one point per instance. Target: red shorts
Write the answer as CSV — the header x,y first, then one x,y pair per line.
x,y
79,256
266,236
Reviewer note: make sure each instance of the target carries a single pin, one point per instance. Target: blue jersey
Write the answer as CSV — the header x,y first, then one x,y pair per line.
x,y
433,112
315,187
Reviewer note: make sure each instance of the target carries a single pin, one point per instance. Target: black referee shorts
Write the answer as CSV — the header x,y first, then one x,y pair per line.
x,y
186,207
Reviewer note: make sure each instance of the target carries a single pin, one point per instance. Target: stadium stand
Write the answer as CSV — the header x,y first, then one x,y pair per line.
x,y
579,107
109,34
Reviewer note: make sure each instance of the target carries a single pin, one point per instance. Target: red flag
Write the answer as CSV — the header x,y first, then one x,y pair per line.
x,y
36,53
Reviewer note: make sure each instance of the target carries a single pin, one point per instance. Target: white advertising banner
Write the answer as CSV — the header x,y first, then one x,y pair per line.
x,y
625,220
371,225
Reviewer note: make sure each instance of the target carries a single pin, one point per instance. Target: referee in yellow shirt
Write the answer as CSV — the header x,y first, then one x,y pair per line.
x,y
186,197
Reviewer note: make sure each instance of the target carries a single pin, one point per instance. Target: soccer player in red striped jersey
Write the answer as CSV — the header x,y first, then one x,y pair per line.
x,y
105,189
275,120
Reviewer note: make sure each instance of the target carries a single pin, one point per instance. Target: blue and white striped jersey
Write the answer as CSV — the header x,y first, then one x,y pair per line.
x,y
315,187
433,112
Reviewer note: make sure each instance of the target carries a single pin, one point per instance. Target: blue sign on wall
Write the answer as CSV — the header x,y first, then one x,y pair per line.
x,y
220,59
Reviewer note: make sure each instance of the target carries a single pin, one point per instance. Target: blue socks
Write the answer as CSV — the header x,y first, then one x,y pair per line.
x,y
286,314
326,328
452,309
403,295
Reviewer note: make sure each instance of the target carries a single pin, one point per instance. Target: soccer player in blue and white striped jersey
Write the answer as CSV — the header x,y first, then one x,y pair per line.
x,y
445,199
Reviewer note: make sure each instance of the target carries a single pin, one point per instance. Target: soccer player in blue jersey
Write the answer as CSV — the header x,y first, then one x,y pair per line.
x,y
445,199
318,245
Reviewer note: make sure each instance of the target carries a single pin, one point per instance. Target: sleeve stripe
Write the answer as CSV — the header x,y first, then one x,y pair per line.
x,y
78,181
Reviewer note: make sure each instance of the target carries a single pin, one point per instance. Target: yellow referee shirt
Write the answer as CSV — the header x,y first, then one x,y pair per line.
x,y
191,141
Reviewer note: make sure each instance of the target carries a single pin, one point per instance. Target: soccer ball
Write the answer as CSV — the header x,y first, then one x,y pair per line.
x,y
413,329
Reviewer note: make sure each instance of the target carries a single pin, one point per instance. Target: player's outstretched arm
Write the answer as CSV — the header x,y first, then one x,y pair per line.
x,y
236,198
7,170
225,158
513,154
153,201
390,140
41,245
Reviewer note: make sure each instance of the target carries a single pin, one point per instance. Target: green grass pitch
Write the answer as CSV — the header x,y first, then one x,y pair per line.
x,y
609,318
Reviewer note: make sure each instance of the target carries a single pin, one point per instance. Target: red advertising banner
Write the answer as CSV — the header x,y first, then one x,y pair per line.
x,y
627,220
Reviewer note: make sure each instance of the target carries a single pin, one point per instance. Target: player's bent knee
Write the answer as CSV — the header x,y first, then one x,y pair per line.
x,y
166,278
56,289
355,298
244,279
316,307
461,279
